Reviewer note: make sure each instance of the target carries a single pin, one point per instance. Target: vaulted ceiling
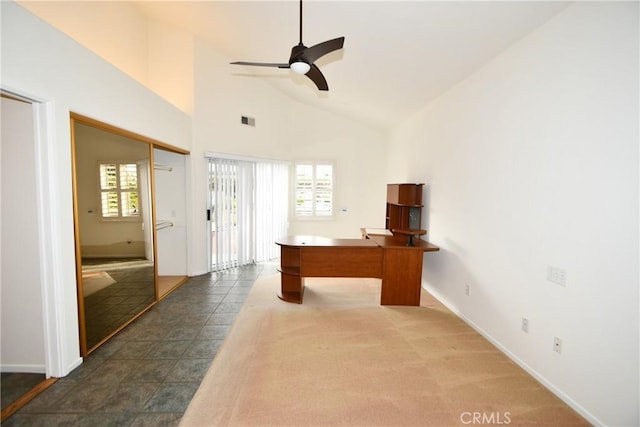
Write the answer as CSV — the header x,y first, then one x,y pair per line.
x,y
398,56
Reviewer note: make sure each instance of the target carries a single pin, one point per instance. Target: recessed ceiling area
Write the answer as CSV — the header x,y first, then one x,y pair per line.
x,y
398,56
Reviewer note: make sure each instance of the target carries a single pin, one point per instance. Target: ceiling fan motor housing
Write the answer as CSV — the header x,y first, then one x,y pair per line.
x,y
297,54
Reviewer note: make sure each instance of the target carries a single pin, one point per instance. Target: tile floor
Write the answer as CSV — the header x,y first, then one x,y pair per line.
x,y
147,374
15,385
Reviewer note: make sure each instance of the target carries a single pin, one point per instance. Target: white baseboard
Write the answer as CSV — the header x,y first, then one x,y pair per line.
x,y
197,273
535,374
25,369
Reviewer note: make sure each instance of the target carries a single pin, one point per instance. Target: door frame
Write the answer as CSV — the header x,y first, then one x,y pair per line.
x,y
47,238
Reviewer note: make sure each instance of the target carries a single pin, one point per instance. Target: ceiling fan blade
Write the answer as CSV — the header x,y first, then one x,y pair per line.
x,y
314,52
261,64
316,76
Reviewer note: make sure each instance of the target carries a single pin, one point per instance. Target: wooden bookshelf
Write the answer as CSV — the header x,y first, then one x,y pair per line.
x,y
404,209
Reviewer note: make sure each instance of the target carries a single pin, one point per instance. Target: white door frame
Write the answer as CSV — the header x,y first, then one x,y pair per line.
x,y
48,238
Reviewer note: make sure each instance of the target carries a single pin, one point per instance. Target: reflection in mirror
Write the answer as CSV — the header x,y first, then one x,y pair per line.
x,y
114,230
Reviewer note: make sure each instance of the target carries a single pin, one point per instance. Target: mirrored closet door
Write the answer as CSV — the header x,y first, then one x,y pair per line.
x,y
115,228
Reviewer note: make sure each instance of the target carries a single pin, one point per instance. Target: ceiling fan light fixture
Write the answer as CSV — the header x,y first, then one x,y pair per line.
x,y
300,67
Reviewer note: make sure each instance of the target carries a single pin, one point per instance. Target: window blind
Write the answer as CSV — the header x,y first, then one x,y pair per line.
x,y
249,210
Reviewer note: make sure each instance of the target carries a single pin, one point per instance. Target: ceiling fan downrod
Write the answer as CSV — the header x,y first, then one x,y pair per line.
x,y
301,23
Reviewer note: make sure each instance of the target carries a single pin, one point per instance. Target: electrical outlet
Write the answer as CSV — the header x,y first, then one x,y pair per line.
x,y
557,275
557,345
467,289
525,325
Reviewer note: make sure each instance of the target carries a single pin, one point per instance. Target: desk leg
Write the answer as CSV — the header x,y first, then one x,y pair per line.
x,y
291,288
401,277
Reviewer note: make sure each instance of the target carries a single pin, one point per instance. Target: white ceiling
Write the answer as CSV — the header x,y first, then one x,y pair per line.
x,y
398,56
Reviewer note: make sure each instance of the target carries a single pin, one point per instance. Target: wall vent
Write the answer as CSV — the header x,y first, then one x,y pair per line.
x,y
250,121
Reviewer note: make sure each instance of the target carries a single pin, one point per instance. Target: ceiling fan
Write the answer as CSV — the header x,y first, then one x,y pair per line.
x,y
302,58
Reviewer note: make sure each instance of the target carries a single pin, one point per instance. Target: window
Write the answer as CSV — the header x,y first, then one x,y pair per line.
x,y
314,190
119,191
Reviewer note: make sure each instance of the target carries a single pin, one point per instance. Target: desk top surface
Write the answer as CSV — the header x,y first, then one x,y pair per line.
x,y
372,241
323,241
398,242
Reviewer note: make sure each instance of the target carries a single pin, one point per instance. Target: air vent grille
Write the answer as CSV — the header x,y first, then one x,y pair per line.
x,y
249,121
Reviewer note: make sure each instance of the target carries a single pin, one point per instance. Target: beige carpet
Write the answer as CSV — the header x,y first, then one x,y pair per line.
x,y
341,359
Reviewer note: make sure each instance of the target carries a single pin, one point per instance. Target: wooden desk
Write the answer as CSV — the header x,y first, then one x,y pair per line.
x,y
384,257
402,269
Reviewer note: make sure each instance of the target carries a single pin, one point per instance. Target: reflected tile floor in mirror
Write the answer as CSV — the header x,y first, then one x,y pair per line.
x,y
148,373
114,294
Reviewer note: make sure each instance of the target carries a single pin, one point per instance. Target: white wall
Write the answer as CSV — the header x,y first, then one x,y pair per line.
x,y
41,62
359,155
114,30
286,130
531,162
20,281
170,59
159,57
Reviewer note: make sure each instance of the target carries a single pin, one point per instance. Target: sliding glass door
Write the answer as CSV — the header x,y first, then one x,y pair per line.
x,y
248,210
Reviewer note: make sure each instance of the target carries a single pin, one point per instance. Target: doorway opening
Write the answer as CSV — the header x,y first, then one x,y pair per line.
x,y
23,359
